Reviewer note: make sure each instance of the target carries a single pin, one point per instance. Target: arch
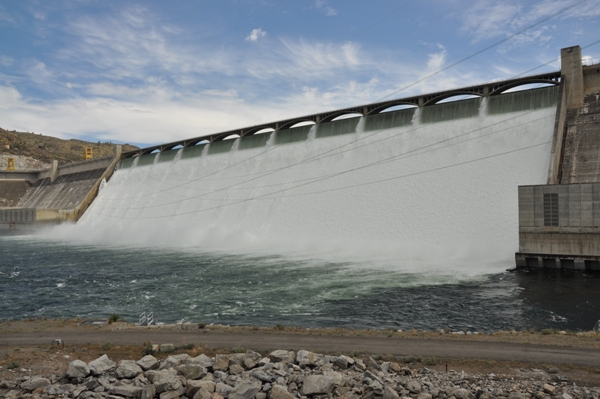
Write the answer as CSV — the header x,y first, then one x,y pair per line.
x,y
521,86
231,137
459,97
296,123
265,130
502,88
154,151
390,104
202,142
346,116
257,129
443,96
398,107
335,115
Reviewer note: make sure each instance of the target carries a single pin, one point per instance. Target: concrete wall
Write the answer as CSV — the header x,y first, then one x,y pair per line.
x,y
14,221
577,229
12,191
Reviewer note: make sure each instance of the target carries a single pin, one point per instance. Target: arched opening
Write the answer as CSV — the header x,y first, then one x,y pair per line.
x,y
231,137
459,97
265,130
202,142
527,86
177,147
303,123
346,116
397,108
155,151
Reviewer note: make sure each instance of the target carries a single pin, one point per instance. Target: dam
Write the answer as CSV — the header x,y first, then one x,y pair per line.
x,y
390,180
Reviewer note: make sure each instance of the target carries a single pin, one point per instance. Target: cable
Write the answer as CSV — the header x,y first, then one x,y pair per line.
x,y
483,50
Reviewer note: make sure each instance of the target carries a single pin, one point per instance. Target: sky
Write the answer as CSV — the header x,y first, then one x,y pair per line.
x,y
149,72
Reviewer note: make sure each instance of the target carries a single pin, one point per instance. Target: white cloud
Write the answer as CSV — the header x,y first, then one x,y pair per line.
x,y
6,60
255,35
327,10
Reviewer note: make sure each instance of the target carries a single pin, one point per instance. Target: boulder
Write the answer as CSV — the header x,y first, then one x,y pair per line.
x,y
261,375
201,360
245,390
343,362
169,362
221,363
280,392
163,380
191,371
251,359
550,389
337,378
236,369
223,389
284,356
462,393
414,387
78,368
202,393
173,394
317,384
148,362
148,392
424,395
128,391
34,383
389,393
166,348
128,369
101,365
306,358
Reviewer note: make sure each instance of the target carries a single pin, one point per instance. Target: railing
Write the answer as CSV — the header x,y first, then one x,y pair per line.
x,y
147,319
597,326
590,61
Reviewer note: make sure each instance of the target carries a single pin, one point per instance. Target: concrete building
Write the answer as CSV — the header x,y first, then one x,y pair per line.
x,y
559,223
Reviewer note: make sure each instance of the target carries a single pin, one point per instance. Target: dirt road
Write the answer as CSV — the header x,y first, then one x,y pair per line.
x,y
402,346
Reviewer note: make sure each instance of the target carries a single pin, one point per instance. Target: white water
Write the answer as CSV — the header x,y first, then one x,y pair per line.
x,y
424,198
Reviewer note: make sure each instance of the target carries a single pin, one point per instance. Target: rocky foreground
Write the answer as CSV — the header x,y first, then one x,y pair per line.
x,y
282,375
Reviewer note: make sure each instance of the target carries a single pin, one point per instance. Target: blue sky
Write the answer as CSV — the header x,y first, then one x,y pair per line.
x,y
147,72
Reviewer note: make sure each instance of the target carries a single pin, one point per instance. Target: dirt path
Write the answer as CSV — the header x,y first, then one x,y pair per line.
x,y
399,346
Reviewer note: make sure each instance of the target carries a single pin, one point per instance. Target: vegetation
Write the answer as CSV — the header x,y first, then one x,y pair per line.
x,y
46,148
106,347
114,317
12,365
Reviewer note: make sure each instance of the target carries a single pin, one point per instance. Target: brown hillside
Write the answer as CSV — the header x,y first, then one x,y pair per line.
x,y
47,148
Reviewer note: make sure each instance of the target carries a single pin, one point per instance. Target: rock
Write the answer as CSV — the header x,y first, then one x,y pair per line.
x,y
221,363
202,393
129,391
305,358
202,360
220,375
169,362
236,369
251,359
336,377
424,395
128,369
78,368
261,375
343,362
260,395
317,384
34,383
462,393
172,394
148,392
223,389
516,395
148,362
566,396
245,390
166,348
282,356
389,393
163,380
101,365
191,371
194,386
550,389
552,370
280,392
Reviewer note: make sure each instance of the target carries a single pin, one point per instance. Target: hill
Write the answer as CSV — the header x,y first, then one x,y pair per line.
x,y
46,148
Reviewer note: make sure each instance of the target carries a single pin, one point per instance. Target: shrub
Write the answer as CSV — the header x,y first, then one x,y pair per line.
x,y
547,331
106,347
378,356
431,361
238,349
191,345
12,365
280,326
113,318
408,359
354,353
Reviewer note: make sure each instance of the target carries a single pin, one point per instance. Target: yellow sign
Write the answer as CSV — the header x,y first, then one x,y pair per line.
x,y
89,154
10,164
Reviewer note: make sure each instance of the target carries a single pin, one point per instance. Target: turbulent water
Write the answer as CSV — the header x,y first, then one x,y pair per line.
x,y
406,219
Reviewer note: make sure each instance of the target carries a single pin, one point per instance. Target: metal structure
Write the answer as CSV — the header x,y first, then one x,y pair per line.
x,y
89,153
147,319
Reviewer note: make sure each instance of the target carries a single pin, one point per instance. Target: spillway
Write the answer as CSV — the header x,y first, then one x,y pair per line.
x,y
418,189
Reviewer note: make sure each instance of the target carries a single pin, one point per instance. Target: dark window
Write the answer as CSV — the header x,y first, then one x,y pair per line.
x,y
550,209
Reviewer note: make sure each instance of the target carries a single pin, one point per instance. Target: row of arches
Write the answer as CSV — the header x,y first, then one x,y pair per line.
x,y
490,89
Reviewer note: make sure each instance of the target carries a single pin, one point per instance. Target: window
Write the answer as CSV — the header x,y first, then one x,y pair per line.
x,y
550,209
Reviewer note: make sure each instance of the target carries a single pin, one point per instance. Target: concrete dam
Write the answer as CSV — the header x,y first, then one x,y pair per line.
x,y
427,185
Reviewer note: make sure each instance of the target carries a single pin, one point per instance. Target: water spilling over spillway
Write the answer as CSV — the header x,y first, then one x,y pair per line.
x,y
423,189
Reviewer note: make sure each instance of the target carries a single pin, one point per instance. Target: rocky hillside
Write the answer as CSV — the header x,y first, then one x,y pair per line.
x,y
46,148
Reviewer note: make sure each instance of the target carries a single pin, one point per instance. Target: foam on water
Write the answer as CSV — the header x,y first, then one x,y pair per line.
x,y
432,194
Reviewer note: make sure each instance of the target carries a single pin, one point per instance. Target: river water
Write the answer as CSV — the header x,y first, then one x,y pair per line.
x,y
58,280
